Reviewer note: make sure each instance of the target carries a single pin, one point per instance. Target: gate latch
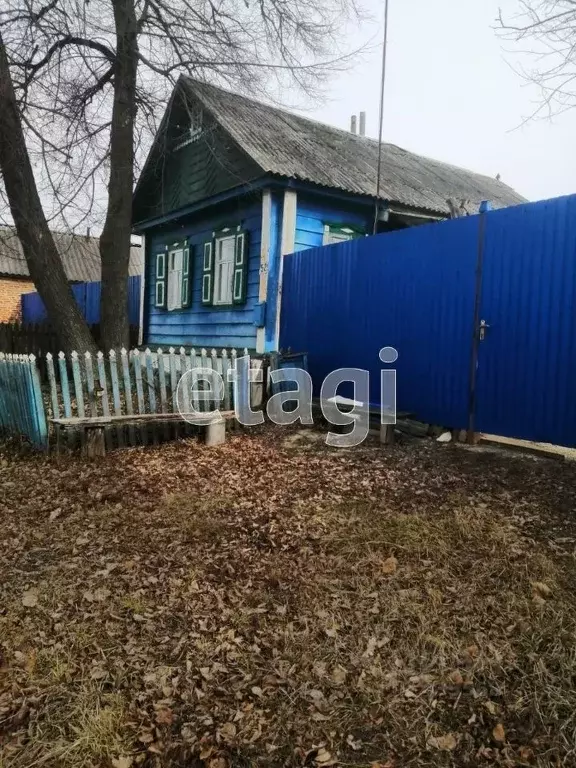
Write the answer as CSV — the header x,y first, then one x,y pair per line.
x,y
482,330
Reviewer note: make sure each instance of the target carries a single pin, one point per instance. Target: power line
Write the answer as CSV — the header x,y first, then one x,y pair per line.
x,y
381,117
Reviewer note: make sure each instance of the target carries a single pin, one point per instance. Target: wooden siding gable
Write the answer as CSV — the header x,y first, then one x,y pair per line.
x,y
182,170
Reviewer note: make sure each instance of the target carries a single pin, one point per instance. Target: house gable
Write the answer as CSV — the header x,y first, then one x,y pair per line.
x,y
192,158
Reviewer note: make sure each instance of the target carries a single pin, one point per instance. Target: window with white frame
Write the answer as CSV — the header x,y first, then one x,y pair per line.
x,y
175,259
173,276
338,233
224,269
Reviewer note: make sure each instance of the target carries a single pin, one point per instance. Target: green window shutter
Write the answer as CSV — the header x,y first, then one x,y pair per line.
x,y
240,268
161,279
207,272
187,276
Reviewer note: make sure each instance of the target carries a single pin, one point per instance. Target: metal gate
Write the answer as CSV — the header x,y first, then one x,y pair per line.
x,y
481,310
526,372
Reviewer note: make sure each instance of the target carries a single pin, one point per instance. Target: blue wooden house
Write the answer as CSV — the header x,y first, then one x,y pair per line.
x,y
231,185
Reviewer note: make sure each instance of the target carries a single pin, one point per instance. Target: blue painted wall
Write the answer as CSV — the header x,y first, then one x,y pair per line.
x,y
200,326
197,325
312,213
315,211
270,341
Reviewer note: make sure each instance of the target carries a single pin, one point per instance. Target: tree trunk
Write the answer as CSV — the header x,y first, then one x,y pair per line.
x,y
115,238
42,257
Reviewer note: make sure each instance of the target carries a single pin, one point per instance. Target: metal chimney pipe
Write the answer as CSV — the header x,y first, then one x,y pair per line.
x,y
362,124
353,124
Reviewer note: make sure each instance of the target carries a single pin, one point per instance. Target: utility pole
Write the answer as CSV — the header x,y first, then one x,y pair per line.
x,y
381,116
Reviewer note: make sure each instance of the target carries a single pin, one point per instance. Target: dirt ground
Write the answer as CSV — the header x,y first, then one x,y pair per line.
x,y
273,602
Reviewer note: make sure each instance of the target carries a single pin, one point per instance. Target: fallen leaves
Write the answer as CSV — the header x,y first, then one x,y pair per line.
x,y
164,716
498,733
98,673
456,677
324,759
491,706
389,566
217,762
122,762
339,675
99,595
370,648
247,605
30,598
446,743
541,589
227,732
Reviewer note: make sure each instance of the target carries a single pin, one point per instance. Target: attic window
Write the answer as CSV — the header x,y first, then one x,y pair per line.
x,y
194,129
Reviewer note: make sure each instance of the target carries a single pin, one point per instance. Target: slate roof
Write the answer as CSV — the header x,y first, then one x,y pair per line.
x,y
80,256
295,147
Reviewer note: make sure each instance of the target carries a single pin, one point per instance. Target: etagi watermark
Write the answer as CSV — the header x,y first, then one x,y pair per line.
x,y
292,401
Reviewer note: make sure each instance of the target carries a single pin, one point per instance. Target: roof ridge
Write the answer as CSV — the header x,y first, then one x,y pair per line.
x,y
282,111
65,233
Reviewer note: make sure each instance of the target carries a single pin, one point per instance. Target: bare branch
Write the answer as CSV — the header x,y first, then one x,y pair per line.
x,y
549,28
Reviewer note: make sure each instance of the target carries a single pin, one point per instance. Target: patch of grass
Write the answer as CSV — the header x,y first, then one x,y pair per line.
x,y
49,667
87,731
135,603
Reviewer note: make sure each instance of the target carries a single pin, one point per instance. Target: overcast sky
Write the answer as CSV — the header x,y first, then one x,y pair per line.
x,y
451,94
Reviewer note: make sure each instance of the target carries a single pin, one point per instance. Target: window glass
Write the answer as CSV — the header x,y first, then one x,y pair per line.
x,y
224,270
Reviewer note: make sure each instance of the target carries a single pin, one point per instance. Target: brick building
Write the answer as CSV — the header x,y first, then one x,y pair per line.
x,y
80,255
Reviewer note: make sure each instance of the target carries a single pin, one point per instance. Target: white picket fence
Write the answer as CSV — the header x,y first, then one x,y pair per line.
x,y
138,382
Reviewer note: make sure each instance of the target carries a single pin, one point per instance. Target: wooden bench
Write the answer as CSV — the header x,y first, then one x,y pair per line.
x,y
386,431
93,428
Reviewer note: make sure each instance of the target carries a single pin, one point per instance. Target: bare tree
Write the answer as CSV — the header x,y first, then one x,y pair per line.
x,y
92,78
545,30
42,256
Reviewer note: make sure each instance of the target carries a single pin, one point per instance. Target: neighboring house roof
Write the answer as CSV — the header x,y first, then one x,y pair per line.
x,y
80,256
295,147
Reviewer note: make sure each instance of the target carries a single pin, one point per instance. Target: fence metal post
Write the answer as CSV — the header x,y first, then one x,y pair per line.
x,y
472,394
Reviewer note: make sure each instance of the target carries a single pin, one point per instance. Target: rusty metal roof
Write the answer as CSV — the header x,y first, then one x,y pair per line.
x,y
295,147
80,256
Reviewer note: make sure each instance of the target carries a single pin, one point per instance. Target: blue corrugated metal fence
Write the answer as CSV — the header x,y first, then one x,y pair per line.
x,y
527,364
22,411
88,299
416,289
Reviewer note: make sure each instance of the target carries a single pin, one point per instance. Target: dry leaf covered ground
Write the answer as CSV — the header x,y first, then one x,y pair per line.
x,y
273,602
